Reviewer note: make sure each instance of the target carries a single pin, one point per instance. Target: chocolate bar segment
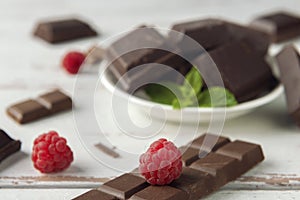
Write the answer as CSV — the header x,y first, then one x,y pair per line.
x,y
280,26
248,154
223,168
45,105
55,101
288,61
27,111
189,155
235,62
161,193
124,186
95,195
209,142
63,30
8,146
195,183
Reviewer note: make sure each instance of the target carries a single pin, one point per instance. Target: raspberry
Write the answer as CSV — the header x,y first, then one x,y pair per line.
x,y
72,61
51,153
162,163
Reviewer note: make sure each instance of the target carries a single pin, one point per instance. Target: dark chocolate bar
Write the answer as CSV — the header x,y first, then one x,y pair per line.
x,y
288,61
96,195
204,176
8,146
212,33
45,105
63,30
243,71
280,26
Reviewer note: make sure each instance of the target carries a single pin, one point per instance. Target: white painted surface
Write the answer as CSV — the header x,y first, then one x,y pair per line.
x,y
30,67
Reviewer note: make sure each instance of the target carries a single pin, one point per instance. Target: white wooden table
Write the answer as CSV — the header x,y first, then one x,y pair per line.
x,y
29,67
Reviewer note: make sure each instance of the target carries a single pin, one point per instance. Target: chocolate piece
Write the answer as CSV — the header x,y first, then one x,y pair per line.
x,y
203,177
234,62
107,150
63,30
248,154
55,101
27,111
209,142
45,105
148,51
161,193
8,146
212,33
189,155
95,55
124,186
95,195
280,26
288,61
224,168
195,183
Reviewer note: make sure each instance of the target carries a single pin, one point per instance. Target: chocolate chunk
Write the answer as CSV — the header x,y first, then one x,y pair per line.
x,y
195,183
212,33
55,101
8,146
161,193
138,58
124,186
248,154
222,167
189,155
108,151
45,105
288,61
280,26
235,62
63,30
95,55
27,111
209,142
95,195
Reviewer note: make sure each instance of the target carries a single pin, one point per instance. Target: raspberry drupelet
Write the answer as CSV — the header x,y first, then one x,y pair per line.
x,y
51,153
162,163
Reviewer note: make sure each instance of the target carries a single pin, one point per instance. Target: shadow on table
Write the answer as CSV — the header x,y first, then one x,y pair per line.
x,y
13,159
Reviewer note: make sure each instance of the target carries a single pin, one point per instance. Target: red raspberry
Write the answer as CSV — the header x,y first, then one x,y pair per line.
x,y
51,153
72,61
162,163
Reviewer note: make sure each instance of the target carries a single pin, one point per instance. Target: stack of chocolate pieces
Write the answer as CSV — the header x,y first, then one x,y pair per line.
x,y
201,175
43,106
237,51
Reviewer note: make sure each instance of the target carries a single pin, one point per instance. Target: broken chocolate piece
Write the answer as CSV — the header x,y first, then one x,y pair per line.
x,y
124,186
209,142
161,193
8,146
95,195
280,26
234,62
288,61
45,105
63,30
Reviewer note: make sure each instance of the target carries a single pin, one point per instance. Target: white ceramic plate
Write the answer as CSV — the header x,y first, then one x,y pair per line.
x,y
190,114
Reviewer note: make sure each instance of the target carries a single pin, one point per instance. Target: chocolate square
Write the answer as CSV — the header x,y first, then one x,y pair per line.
x,y
95,195
27,111
124,186
189,155
55,101
161,193
8,146
209,142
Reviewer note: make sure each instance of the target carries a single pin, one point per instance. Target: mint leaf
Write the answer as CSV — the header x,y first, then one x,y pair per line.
x,y
160,93
193,79
216,97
